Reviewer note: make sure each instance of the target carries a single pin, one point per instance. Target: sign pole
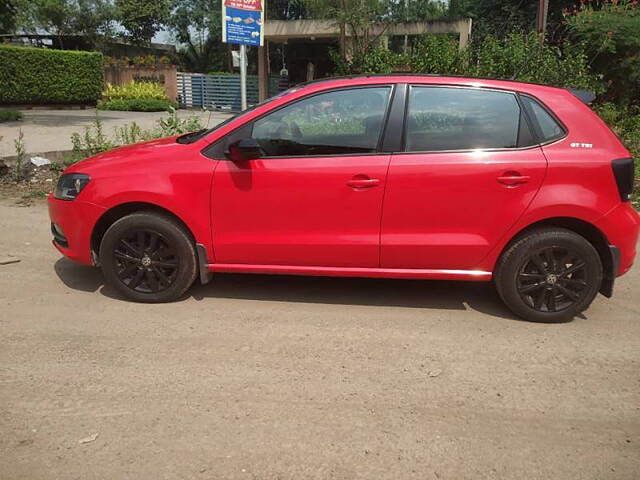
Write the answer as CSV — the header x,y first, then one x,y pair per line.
x,y
243,77
242,24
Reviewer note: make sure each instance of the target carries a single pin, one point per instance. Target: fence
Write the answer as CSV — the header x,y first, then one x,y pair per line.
x,y
218,92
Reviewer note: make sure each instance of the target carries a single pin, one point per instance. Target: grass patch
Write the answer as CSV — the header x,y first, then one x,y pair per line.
x,y
10,116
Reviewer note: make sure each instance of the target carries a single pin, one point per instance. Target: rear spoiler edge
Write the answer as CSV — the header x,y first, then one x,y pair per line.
x,y
585,96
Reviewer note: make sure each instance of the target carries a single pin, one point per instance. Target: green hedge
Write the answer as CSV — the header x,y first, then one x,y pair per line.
x,y
137,104
41,76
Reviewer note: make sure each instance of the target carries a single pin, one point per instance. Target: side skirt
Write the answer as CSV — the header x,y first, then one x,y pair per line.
x,y
432,274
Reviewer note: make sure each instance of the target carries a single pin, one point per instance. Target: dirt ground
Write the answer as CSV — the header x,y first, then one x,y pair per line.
x,y
266,377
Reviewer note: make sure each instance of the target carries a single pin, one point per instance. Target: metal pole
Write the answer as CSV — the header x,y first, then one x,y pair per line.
x,y
243,78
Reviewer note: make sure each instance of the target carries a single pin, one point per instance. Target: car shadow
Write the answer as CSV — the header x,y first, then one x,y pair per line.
x,y
429,294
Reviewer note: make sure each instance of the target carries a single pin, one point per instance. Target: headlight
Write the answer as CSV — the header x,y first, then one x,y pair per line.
x,y
70,185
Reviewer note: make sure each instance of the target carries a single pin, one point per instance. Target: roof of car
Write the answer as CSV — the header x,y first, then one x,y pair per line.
x,y
399,77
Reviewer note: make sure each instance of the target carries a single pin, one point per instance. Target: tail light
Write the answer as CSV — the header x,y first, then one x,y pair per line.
x,y
623,171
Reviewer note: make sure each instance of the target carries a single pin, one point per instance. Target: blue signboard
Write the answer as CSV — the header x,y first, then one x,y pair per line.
x,y
241,26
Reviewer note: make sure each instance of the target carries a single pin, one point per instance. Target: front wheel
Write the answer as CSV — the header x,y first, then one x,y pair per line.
x,y
148,257
549,275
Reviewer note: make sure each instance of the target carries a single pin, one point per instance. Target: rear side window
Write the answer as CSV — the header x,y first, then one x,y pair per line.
x,y
339,122
445,118
550,129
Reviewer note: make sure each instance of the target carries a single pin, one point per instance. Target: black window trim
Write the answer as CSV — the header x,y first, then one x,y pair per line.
x,y
393,138
381,135
537,131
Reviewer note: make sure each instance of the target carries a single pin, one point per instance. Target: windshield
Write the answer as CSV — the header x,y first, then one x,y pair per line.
x,y
195,136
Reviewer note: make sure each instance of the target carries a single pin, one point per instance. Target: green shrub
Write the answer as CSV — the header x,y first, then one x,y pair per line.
x,y
521,55
517,54
439,54
10,116
137,105
135,91
94,140
611,35
43,76
136,97
377,60
625,122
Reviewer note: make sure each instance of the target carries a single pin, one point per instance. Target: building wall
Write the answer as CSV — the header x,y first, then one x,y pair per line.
x,y
165,75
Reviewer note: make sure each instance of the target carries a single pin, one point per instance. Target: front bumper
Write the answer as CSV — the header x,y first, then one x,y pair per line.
x,y
72,225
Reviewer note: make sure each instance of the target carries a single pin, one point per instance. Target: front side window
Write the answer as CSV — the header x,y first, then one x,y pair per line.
x,y
445,118
340,122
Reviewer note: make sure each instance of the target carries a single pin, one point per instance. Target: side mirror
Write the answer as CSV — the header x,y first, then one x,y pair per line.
x,y
242,150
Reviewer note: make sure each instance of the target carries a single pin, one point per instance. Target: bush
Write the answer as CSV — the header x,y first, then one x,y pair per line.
x,y
137,105
439,54
625,122
94,140
135,91
43,76
377,60
612,39
10,116
518,55
136,97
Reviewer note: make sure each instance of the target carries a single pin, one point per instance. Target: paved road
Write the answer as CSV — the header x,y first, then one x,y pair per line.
x,y
263,377
50,130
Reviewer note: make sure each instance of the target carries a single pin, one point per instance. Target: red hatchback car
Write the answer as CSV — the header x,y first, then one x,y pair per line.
x,y
396,176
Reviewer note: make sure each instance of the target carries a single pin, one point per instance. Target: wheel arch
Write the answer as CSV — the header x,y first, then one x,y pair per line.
x,y
585,229
119,211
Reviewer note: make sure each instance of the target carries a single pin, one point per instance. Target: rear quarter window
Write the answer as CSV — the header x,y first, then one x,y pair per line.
x,y
549,128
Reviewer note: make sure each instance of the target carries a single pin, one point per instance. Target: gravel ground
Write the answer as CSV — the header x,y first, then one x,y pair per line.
x,y
267,377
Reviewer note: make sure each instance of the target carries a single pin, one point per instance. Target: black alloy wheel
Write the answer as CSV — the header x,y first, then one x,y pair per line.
x,y
553,279
550,274
148,257
145,261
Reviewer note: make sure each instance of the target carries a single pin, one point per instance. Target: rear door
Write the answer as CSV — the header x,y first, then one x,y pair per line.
x,y
469,169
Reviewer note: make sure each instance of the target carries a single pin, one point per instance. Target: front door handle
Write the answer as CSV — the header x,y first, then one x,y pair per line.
x,y
363,182
513,179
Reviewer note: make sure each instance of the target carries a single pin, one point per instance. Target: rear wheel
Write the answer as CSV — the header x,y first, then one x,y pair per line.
x,y
549,275
148,257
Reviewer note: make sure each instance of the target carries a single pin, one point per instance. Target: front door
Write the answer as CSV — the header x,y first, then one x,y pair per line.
x,y
314,198
469,169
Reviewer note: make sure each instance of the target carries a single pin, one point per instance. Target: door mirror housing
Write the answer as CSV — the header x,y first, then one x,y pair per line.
x,y
243,150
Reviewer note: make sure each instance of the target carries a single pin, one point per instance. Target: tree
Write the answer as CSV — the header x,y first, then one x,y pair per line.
x,y
8,14
50,16
286,9
503,17
93,19
142,19
611,36
197,25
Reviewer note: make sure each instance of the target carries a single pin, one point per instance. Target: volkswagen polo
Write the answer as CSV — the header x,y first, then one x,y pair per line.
x,y
412,177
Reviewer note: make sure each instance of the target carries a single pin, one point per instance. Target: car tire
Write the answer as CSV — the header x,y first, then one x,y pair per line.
x,y
148,257
549,275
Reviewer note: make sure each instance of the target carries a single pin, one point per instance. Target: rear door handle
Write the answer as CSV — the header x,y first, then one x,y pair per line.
x,y
363,182
513,179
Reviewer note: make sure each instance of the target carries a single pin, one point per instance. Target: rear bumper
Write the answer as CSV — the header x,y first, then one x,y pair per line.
x,y
72,225
621,227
